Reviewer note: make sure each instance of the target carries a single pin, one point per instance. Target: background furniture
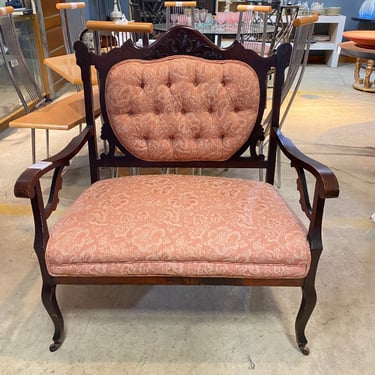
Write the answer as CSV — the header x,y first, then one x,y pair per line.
x,y
147,11
27,31
180,111
72,22
335,26
362,55
365,23
252,28
283,21
28,91
62,114
303,28
52,39
66,66
179,8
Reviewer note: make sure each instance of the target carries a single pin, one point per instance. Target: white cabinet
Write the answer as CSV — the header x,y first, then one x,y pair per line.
x,y
331,48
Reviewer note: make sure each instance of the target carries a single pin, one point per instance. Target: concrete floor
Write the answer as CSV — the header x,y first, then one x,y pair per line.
x,y
209,330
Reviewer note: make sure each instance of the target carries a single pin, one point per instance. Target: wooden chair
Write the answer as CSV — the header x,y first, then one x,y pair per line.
x,y
283,25
182,102
151,11
302,34
68,112
108,34
72,22
134,10
252,31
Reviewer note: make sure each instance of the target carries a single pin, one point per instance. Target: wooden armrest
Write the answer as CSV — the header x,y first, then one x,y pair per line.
x,y
328,186
180,4
137,27
26,182
305,20
6,10
74,5
254,8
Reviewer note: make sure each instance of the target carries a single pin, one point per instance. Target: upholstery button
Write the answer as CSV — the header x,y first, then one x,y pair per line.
x,y
183,111
131,113
195,83
145,138
169,84
171,137
197,136
156,112
142,85
223,83
235,109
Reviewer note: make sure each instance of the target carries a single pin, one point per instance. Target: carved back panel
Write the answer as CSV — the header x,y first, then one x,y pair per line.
x,y
184,42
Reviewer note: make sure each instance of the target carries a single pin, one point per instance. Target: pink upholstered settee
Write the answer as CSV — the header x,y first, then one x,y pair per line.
x,y
182,102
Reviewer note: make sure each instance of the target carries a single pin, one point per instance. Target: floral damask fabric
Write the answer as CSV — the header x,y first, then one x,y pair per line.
x,y
182,108
178,225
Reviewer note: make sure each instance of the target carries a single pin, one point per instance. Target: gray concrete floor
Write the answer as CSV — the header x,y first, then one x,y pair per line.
x,y
209,330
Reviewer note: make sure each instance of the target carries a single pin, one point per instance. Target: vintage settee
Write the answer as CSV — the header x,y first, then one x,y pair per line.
x,y
180,103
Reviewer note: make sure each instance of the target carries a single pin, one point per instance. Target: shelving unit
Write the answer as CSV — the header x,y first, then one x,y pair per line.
x,y
331,48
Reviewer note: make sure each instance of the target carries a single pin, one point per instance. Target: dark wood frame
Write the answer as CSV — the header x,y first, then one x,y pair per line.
x,y
181,41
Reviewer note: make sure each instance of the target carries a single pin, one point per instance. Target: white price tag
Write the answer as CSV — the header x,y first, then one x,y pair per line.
x,y
40,165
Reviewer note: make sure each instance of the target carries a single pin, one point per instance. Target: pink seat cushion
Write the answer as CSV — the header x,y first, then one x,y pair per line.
x,y
177,225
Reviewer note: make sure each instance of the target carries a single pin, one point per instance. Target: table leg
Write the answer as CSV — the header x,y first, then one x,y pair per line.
x,y
369,69
357,77
47,142
364,84
33,152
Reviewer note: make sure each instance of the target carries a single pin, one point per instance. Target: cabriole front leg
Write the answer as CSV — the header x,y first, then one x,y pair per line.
x,y
50,303
307,304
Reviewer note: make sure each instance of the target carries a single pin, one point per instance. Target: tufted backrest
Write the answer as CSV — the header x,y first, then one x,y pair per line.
x,y
182,108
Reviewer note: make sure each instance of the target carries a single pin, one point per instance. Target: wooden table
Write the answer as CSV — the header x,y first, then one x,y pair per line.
x,y
363,56
65,65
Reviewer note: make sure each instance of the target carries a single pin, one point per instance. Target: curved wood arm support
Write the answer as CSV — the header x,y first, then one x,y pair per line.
x,y
327,184
29,179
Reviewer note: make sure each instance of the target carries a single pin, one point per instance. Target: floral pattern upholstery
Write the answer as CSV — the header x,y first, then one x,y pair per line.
x,y
179,225
182,108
